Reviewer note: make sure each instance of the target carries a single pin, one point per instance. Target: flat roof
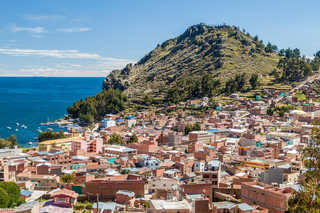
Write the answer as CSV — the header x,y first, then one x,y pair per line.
x,y
167,205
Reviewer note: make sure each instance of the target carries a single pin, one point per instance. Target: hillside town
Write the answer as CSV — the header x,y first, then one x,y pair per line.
x,y
238,158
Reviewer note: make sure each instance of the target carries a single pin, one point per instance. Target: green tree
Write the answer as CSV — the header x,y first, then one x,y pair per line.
x,y
196,127
281,112
9,142
9,194
133,138
307,199
187,129
270,111
269,48
116,139
91,127
254,80
67,178
50,135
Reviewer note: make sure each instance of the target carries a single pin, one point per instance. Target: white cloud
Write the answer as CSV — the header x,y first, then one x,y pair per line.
x,y
51,53
67,67
73,30
40,18
36,30
105,61
37,36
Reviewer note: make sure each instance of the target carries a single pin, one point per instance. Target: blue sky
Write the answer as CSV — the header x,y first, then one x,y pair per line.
x,y
91,38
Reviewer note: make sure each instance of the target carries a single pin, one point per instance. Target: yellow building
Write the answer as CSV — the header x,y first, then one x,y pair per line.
x,y
63,144
263,164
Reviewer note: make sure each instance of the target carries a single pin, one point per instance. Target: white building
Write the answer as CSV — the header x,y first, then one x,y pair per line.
x,y
199,166
107,122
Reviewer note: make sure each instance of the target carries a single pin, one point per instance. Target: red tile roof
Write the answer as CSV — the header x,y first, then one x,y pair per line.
x,y
6,210
66,192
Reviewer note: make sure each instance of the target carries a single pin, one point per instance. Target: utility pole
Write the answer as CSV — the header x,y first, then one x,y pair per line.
x,y
97,203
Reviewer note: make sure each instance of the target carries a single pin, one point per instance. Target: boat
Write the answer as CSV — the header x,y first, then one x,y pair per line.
x,y
49,129
17,130
30,143
25,127
53,124
17,124
8,127
36,138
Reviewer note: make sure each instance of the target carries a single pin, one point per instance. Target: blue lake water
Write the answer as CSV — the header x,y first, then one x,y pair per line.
x,y
30,101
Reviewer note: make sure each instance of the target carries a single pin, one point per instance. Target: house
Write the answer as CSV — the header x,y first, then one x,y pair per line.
x,y
160,206
104,207
30,207
125,197
65,197
26,195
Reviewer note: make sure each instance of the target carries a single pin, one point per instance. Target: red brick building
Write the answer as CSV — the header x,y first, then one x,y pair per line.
x,y
107,189
273,198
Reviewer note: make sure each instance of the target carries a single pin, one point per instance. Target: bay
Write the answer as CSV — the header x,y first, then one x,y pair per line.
x,y
30,101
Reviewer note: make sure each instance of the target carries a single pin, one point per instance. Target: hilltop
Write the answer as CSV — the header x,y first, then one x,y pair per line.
x,y
221,51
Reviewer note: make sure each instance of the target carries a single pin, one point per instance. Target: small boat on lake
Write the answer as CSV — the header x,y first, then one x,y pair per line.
x,y
30,143
8,127
17,130
17,124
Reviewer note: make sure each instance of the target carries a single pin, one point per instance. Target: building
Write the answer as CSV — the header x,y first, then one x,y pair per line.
x,y
160,206
107,189
290,138
212,173
63,144
311,107
30,207
65,197
119,151
88,144
43,181
272,198
161,184
109,207
125,197
107,123
6,152
201,136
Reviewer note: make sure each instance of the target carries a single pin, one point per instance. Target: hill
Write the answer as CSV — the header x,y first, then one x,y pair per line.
x,y
221,51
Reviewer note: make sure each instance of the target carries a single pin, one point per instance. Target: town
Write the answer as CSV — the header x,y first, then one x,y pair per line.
x,y
243,157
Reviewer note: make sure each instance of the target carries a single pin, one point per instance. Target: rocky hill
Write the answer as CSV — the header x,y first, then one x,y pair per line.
x,y
221,51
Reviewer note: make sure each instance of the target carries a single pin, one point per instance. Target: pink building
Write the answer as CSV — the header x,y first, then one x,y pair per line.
x,y
94,145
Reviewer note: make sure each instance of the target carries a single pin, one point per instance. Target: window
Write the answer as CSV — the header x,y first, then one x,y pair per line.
x,y
164,184
62,200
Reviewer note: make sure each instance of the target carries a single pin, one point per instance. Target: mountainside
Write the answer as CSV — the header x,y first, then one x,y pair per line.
x,y
222,51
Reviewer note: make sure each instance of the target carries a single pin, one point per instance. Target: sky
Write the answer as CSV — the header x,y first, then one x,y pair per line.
x,y
81,38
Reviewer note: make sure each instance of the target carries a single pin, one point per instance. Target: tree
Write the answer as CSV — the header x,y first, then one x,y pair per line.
x,y
307,199
67,178
196,127
9,194
270,111
254,80
269,48
116,139
187,129
9,142
91,127
133,138
87,118
50,135
125,171
281,112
